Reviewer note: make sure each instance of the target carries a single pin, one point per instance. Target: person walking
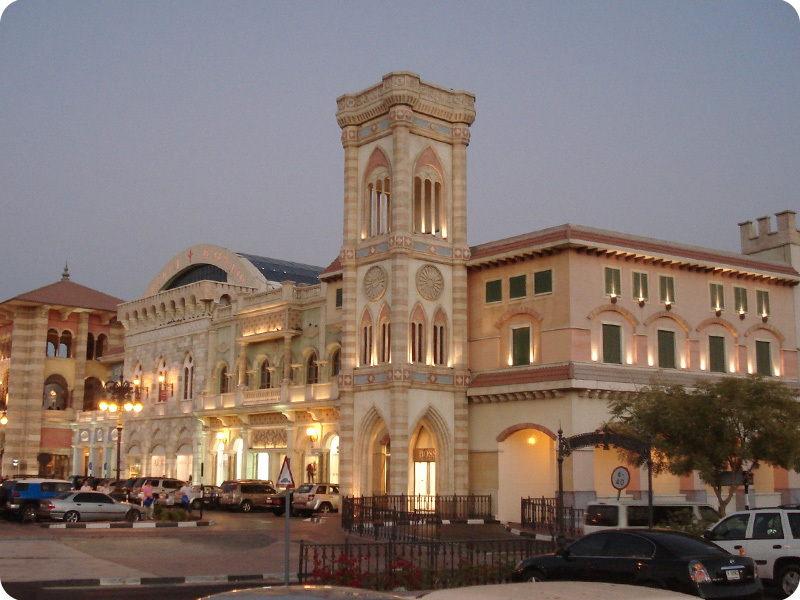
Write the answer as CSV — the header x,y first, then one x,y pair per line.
x,y
186,490
147,499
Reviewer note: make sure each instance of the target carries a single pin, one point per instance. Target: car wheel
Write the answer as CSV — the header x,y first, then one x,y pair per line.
x,y
535,575
72,517
197,504
325,508
29,513
789,579
133,515
245,506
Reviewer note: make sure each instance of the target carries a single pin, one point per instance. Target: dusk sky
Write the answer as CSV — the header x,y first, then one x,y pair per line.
x,y
133,130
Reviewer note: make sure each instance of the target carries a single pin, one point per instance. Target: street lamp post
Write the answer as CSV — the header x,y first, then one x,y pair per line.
x,y
121,393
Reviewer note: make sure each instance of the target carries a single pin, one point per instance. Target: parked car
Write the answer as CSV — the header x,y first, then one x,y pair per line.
x,y
23,498
246,495
613,515
72,507
202,496
294,592
277,503
649,557
310,498
770,536
163,489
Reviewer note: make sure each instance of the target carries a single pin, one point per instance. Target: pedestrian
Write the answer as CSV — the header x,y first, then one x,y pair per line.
x,y
185,491
85,487
311,471
147,499
105,488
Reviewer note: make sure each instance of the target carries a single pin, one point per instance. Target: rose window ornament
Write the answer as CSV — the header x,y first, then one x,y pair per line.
x,y
430,282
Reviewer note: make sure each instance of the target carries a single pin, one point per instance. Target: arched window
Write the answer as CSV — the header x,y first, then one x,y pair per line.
x,y
429,203
376,216
417,336
90,346
55,396
440,339
312,369
92,393
52,343
385,350
223,379
188,377
264,376
65,345
366,340
161,378
100,346
336,362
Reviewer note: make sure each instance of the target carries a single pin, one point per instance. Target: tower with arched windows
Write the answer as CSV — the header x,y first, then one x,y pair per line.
x,y
403,376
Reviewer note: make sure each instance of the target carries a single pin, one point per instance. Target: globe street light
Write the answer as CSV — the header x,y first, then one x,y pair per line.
x,y
123,394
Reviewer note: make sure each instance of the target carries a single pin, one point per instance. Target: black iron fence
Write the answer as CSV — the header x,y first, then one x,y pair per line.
x,y
543,514
415,565
403,517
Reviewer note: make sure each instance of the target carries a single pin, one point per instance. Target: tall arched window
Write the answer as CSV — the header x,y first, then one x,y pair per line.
x,y
312,369
385,350
90,346
264,376
52,343
429,203
336,362
65,345
366,340
188,377
100,345
440,339
161,379
376,216
417,336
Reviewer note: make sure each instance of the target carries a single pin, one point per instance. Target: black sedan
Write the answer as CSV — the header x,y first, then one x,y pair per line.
x,y
656,558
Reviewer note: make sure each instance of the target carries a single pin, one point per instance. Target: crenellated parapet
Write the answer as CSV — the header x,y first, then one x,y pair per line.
x,y
764,238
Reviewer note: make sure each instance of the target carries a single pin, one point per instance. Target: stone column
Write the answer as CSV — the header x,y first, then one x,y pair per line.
x,y
81,340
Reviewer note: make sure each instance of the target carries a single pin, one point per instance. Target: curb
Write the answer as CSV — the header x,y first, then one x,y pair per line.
x,y
529,534
125,525
190,579
468,522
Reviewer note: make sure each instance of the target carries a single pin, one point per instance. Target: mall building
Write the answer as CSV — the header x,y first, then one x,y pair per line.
x,y
415,363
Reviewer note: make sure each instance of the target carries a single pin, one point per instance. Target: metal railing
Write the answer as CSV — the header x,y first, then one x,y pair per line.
x,y
404,517
543,514
415,565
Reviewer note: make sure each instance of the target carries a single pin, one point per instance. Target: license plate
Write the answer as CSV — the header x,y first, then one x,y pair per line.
x,y
733,575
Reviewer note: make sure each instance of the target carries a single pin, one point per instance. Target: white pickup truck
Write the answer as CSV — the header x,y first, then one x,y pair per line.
x,y
770,536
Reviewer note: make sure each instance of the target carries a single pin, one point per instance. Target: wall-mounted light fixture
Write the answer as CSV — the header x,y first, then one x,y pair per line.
x,y
668,305
312,433
221,437
613,298
741,313
139,390
641,301
718,312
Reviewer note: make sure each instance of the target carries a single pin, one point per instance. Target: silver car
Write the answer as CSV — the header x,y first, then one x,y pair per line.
x,y
87,506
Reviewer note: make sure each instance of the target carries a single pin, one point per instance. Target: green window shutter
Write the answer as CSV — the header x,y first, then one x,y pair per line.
x,y
762,303
612,344
763,358
716,354
640,286
521,346
543,282
717,296
613,281
666,289
517,286
494,290
666,349
740,299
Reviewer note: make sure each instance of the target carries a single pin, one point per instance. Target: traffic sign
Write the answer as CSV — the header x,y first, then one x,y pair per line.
x,y
285,479
620,478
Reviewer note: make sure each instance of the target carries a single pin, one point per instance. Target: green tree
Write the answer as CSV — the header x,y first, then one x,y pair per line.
x,y
720,429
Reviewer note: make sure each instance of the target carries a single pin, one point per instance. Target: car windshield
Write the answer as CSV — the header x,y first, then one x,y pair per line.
x,y
685,546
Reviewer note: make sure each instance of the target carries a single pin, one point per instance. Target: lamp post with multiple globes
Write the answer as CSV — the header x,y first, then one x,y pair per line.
x,y
123,395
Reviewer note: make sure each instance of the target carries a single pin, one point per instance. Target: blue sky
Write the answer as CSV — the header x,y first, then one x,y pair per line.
x,y
132,130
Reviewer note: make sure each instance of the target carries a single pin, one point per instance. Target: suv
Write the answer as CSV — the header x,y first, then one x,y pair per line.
x,y
770,536
245,495
164,489
316,497
606,515
23,498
